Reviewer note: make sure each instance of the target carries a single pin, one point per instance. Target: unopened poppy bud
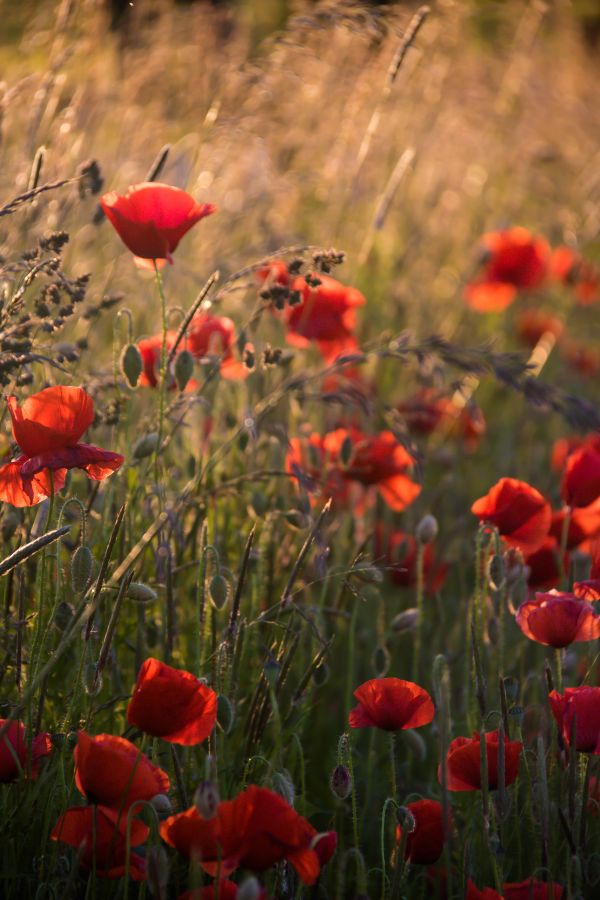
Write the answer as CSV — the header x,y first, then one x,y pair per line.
x,y
162,805
141,593
157,870
427,529
206,800
82,563
346,450
219,591
184,368
284,786
340,782
249,889
259,503
225,716
496,572
63,615
511,688
405,818
415,742
146,445
381,660
132,364
407,620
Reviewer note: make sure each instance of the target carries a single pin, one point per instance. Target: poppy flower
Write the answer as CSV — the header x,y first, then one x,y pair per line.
x,y
215,336
325,845
581,479
584,525
572,269
428,410
514,260
590,589
228,890
425,844
14,744
558,619
533,324
584,704
152,218
530,889
325,316
172,704
111,771
563,447
255,830
399,553
544,569
47,429
150,349
107,855
520,513
312,461
391,704
463,762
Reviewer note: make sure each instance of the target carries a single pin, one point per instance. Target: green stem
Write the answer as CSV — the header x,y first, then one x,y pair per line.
x,y
421,609
162,386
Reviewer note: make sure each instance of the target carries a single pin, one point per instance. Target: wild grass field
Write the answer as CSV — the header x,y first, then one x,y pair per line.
x,y
300,487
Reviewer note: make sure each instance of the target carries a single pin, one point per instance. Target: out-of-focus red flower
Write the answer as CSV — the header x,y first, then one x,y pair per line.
x,y
558,619
572,269
428,410
530,889
391,704
150,349
563,448
520,513
584,525
275,272
108,854
515,260
425,844
581,479
47,429
151,218
313,462
255,830
590,588
584,358
111,771
463,762
399,552
172,704
325,845
584,704
228,890
544,565
13,744
210,335
533,324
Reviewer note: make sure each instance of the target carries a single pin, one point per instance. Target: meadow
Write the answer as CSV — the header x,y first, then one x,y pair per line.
x,y
300,438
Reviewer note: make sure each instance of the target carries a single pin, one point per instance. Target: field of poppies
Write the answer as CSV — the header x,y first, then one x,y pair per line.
x,y
300,477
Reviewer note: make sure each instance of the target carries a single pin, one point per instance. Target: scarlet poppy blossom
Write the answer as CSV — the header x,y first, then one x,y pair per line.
x,y
399,552
564,447
391,704
172,704
515,260
48,428
428,410
255,830
533,324
581,480
152,218
14,746
590,588
150,349
544,568
313,463
558,619
215,336
530,889
463,762
325,845
584,704
520,513
572,269
111,771
326,316
107,854
425,844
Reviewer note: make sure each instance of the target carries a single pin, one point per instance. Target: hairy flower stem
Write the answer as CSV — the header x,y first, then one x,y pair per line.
x,y
162,385
420,565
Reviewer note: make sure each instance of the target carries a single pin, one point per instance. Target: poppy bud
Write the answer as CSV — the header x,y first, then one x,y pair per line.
x,y
496,572
283,785
427,529
206,800
131,364
146,445
141,593
517,713
219,591
249,889
63,615
157,870
162,805
225,715
406,820
381,660
407,620
82,563
340,782
259,503
296,519
184,367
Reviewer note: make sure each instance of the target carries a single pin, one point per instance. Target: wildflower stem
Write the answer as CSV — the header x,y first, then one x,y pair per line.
x,y
162,385
420,607
393,764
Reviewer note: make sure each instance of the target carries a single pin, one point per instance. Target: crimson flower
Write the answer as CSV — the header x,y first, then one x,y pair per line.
x,y
584,524
583,703
228,890
172,704
581,479
558,619
391,704
48,428
255,830
544,565
215,336
563,447
14,744
572,269
463,762
590,589
150,349
151,218
399,552
530,889
107,854
520,513
533,324
428,410
425,844
111,771
515,260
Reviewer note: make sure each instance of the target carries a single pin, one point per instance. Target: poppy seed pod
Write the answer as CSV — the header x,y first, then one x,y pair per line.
x,y
132,364
340,782
146,445
82,563
427,529
207,799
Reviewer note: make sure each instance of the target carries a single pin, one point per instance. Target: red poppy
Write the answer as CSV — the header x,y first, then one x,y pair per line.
x,y
151,349
14,744
399,552
275,272
228,890
475,893
47,429
425,844
584,524
584,704
325,845
590,588
571,268
108,853
215,336
581,478
152,218
515,260
544,565
530,889
563,448
558,619
111,771
312,461
463,762
427,410
391,704
256,830
172,704
520,513
533,324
